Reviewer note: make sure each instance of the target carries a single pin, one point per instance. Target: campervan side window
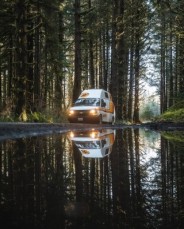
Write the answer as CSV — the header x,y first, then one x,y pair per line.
x,y
106,95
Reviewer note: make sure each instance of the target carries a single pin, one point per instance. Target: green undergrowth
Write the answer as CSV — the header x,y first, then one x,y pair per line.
x,y
173,114
41,117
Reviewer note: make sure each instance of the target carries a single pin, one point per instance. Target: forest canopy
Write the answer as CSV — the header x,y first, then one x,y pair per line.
x,y
51,50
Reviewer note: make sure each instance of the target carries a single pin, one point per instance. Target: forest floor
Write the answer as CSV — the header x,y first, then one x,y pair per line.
x,y
13,130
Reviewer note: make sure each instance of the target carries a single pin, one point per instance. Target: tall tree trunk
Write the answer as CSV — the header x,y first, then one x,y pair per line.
x,y
118,58
162,69
21,60
137,75
91,64
138,35
91,57
29,83
37,67
114,81
176,63
106,57
1,101
131,81
100,61
181,66
77,77
59,74
181,50
171,83
10,68
121,60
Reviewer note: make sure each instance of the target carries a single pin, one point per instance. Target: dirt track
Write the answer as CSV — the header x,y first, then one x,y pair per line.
x,y
18,130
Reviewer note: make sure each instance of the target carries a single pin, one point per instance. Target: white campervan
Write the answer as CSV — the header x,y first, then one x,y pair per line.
x,y
93,143
93,106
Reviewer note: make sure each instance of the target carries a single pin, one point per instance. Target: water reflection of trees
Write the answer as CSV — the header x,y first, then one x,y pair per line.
x,y
45,182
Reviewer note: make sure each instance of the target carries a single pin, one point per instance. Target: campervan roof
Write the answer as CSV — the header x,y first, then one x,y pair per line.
x,y
92,93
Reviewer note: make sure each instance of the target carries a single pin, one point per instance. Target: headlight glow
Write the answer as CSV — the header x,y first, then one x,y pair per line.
x,y
72,134
71,112
92,134
94,112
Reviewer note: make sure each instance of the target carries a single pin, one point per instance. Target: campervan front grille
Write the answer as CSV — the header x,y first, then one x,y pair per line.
x,y
82,113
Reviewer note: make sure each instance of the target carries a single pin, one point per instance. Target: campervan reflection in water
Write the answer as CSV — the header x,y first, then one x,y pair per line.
x,y
94,143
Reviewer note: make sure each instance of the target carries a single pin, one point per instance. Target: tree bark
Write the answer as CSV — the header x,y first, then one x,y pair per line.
x,y
21,58
77,76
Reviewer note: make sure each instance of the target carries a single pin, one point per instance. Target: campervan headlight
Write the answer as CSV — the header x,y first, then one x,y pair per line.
x,y
94,112
71,112
71,134
93,134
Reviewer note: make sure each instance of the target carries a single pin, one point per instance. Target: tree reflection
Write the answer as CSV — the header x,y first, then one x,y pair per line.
x,y
47,183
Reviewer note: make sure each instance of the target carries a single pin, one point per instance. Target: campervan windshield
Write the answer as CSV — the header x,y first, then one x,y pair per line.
x,y
87,102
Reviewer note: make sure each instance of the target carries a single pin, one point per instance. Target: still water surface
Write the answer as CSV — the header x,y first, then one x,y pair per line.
x,y
124,178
